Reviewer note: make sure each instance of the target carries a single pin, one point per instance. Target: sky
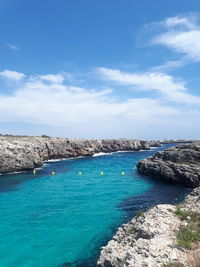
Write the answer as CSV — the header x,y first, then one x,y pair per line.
x,y
100,68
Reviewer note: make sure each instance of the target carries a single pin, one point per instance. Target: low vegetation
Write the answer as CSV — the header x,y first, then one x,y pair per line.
x,y
131,230
45,136
139,214
184,214
190,233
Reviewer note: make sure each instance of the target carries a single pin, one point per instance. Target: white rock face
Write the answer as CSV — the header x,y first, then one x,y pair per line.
x,y
180,164
145,241
192,201
150,239
26,153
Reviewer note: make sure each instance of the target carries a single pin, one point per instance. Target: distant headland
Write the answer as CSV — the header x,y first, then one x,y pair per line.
x,y
22,153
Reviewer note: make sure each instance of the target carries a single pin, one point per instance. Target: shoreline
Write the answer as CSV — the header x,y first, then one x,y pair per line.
x,y
151,238
126,246
78,157
27,153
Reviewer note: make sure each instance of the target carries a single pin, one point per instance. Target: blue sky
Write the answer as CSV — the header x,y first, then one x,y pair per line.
x,y
100,69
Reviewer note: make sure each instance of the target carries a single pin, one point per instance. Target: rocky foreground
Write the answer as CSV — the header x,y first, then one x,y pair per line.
x,y
27,153
156,238
180,164
166,235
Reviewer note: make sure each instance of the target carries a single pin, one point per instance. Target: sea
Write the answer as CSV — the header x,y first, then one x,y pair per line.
x,y
64,219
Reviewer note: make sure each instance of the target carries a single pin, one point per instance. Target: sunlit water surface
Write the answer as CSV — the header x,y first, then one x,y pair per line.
x,y
63,220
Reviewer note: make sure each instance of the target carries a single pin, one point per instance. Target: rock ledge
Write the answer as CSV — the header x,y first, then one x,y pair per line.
x,y
27,153
150,239
180,164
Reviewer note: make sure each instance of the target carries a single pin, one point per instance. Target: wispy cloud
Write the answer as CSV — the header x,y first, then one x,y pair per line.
x,y
182,35
63,99
188,21
12,46
55,78
12,75
170,65
57,104
173,89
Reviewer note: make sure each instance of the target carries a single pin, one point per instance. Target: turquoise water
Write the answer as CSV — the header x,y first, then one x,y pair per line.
x,y
62,220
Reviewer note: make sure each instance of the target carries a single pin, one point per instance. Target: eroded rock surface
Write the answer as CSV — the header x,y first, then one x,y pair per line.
x,y
180,164
150,240
26,153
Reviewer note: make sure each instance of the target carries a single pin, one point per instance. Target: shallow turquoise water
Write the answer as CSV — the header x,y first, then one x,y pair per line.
x,y
51,220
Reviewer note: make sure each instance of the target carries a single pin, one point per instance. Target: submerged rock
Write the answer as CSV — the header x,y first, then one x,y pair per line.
x,y
26,153
180,164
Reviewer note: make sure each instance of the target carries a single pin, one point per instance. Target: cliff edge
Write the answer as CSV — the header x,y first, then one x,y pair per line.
x,y
164,236
180,164
27,153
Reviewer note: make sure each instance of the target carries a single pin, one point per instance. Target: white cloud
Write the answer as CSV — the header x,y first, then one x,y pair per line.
x,y
12,75
78,112
56,104
186,21
173,89
12,47
187,43
54,78
50,99
169,65
182,34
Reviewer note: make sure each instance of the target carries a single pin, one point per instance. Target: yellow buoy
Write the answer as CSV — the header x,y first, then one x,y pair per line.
x,y
34,172
101,173
123,173
52,173
80,173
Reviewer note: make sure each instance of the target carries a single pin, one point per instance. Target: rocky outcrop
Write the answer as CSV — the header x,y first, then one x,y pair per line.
x,y
192,201
150,239
26,153
180,164
177,141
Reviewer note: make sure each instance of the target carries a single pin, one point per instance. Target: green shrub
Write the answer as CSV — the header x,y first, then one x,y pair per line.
x,y
45,136
131,231
189,234
139,214
183,214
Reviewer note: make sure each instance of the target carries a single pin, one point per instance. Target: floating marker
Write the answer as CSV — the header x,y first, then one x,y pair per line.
x,y
123,173
79,173
52,173
34,172
101,173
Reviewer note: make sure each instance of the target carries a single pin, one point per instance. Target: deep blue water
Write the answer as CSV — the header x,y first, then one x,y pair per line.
x,y
63,220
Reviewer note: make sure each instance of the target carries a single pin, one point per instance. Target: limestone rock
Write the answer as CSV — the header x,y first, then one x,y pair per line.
x,y
26,153
150,240
180,164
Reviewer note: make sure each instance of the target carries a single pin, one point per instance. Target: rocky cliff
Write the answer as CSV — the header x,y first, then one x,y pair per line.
x,y
180,164
26,153
166,235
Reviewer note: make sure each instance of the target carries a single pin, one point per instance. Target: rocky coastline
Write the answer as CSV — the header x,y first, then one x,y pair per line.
x,y
166,235
180,164
26,153
150,239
